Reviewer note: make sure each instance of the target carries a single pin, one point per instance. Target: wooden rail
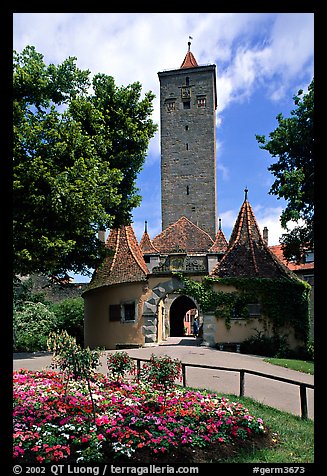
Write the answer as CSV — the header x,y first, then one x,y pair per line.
x,y
302,385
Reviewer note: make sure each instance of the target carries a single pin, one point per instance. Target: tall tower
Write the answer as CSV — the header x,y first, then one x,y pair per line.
x,y
188,101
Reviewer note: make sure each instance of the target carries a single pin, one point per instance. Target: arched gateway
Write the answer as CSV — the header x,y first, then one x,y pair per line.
x,y
180,317
179,307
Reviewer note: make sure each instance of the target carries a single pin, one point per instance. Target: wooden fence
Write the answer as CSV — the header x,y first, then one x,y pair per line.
x,y
302,386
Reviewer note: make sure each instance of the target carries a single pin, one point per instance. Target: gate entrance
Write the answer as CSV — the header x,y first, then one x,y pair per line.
x,y
180,319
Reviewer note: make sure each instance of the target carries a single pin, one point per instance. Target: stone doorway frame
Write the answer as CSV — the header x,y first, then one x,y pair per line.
x,y
150,309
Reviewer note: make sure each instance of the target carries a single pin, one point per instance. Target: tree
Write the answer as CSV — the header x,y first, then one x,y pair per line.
x,y
293,143
76,156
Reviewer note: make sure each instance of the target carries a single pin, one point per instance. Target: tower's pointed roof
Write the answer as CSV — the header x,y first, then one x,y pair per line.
x,y
146,244
189,60
182,235
221,244
124,263
248,255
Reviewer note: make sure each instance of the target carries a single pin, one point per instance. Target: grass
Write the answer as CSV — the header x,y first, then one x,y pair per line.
x,y
300,365
293,437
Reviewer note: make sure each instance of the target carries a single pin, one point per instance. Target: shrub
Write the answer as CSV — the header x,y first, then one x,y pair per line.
x,y
162,372
70,317
73,360
119,363
32,324
259,344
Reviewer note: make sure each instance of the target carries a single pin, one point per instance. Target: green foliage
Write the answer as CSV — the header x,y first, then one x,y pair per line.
x,y
259,344
162,372
293,143
76,156
23,292
119,363
283,301
32,324
310,349
70,357
69,316
72,360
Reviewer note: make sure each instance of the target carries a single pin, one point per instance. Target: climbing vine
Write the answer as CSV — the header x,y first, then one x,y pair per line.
x,y
283,301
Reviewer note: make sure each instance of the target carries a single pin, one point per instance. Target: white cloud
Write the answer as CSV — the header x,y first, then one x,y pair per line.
x,y
249,49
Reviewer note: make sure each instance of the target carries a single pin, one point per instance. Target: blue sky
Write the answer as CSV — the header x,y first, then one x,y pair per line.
x,y
262,60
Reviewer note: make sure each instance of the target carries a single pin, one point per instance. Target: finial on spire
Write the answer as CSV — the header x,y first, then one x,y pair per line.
x,y
246,193
219,226
189,43
145,226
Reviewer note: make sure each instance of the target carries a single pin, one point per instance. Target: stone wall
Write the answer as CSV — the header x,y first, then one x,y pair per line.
x,y
56,292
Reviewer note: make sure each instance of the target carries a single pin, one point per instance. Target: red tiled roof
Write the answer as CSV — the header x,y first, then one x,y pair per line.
x,y
247,254
146,244
189,60
183,235
221,244
125,262
277,250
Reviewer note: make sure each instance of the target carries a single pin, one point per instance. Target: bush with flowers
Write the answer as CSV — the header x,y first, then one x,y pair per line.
x,y
119,364
52,426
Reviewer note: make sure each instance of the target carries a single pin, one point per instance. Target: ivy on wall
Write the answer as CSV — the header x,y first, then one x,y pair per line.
x,y
283,301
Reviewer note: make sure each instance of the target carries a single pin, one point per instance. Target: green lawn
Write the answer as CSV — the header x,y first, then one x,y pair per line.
x,y
294,436
300,365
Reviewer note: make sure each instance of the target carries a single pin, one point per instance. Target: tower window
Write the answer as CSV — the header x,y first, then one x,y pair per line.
x,y
186,146
186,128
187,190
187,81
170,105
186,104
201,100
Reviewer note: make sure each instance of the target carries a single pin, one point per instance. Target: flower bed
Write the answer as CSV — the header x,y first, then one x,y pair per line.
x,y
134,422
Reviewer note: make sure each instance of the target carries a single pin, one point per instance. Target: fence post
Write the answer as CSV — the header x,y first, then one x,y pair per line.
x,y
184,374
304,405
138,366
242,373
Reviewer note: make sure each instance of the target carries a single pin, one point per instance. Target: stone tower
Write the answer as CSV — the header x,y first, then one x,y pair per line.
x,y
188,103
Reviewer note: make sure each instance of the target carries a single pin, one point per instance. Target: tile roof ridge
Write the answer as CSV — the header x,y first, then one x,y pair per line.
x,y
249,211
220,236
146,244
134,246
117,240
183,217
197,226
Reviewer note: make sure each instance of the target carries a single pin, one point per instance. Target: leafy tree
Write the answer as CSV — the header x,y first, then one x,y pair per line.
x,y
77,151
293,143
69,317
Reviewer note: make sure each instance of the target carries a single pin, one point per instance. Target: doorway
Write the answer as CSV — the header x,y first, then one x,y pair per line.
x,y
179,314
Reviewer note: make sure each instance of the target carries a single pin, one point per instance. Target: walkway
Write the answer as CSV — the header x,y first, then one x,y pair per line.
x,y
279,395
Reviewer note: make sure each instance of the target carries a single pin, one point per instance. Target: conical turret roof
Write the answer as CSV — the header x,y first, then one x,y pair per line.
x,y
221,244
124,263
189,60
248,255
146,244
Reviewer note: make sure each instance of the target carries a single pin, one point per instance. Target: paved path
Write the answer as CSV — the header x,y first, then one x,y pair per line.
x,y
279,395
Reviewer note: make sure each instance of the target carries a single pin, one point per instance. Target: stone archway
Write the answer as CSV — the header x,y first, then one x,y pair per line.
x,y
150,309
178,309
